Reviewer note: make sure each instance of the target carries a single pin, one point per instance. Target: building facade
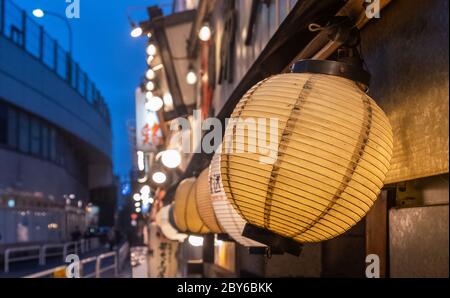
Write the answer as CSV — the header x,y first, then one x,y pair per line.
x,y
55,135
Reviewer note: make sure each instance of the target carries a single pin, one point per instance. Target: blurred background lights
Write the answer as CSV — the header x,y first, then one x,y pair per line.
x,y
205,33
154,104
140,161
136,32
38,13
150,74
145,190
171,158
168,101
195,240
150,86
11,203
151,50
191,77
158,67
159,177
137,197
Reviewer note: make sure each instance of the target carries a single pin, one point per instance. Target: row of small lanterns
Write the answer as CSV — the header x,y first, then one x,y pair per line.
x,y
201,207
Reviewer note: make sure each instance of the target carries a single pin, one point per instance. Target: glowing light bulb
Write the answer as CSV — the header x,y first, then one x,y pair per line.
x,y
151,50
136,32
154,104
140,161
191,77
150,86
145,190
195,240
159,177
168,101
171,158
38,13
205,33
150,74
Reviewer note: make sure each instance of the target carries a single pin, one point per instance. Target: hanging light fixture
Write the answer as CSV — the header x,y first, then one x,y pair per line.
x,y
204,202
163,221
205,32
195,241
191,76
149,95
154,104
151,50
186,214
38,13
150,74
150,86
159,177
145,189
229,220
140,160
168,101
137,197
171,158
333,152
136,32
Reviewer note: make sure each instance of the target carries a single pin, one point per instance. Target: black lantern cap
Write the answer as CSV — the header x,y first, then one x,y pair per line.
x,y
276,242
342,69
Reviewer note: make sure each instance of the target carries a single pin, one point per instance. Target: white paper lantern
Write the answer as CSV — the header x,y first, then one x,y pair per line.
x,y
162,220
229,220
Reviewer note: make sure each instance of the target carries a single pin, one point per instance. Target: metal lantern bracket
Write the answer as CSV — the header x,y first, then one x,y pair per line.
x,y
348,64
276,242
262,250
224,237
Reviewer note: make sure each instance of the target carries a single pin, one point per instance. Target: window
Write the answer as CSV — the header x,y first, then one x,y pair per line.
x,y
31,135
3,124
24,133
35,137
52,144
45,142
60,150
12,128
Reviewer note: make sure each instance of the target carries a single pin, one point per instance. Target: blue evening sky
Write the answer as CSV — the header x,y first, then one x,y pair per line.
x,y
113,60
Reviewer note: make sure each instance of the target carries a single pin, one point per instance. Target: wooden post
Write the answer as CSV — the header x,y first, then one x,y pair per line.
x,y
377,231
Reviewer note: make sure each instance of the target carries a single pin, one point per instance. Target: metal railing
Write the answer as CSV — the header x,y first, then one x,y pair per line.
x,y
62,249
9,255
115,266
22,30
118,256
